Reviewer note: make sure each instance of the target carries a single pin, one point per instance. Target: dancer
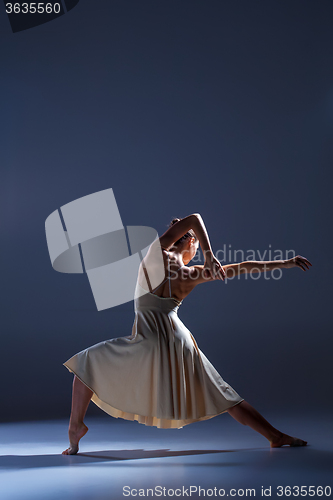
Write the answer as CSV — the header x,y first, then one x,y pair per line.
x,y
158,376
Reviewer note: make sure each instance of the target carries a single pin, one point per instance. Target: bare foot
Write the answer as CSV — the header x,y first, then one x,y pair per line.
x,y
289,440
75,433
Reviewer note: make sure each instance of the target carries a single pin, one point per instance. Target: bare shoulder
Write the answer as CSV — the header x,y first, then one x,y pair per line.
x,y
198,274
153,264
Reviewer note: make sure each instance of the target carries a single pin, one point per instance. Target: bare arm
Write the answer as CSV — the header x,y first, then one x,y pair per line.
x,y
195,222
198,274
177,230
255,266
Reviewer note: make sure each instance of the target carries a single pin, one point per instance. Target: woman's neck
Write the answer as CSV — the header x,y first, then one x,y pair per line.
x,y
180,258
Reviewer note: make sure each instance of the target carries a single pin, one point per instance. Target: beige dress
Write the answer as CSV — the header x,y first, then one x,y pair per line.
x,y
158,375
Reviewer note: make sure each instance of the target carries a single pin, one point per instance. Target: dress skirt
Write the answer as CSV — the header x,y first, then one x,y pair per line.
x,y
157,376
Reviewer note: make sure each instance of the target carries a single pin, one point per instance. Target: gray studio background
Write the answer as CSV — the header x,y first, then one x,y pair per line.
x,y
222,108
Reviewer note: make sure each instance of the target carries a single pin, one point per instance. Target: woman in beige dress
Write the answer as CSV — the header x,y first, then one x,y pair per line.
x,y
158,376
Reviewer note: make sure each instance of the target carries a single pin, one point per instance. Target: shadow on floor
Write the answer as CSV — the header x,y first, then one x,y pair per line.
x,y
34,461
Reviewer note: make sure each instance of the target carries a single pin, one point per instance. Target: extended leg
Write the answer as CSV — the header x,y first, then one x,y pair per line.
x,y
245,414
81,397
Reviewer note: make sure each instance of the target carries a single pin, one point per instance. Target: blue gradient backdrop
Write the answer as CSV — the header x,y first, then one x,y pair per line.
x,y
222,108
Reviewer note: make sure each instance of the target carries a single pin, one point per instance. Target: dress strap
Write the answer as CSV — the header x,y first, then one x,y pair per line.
x,y
154,290
169,276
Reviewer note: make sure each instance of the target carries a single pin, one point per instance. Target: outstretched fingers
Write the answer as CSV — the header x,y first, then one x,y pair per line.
x,y
302,262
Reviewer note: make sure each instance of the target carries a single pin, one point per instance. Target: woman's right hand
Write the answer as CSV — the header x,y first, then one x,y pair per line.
x,y
214,266
297,261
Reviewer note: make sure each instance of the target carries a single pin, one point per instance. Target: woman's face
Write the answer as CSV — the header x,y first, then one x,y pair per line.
x,y
195,248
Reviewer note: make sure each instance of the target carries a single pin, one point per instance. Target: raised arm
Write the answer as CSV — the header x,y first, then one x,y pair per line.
x,y
195,222
177,230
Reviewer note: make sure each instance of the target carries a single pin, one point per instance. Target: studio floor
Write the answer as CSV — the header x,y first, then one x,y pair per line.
x,y
119,459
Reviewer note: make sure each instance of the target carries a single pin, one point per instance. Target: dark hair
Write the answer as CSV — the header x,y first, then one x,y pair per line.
x,y
190,233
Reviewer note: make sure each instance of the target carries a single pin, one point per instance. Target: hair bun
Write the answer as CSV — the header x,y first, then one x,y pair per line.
x,y
174,221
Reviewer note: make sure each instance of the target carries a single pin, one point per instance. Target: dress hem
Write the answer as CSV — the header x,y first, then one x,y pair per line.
x,y
160,423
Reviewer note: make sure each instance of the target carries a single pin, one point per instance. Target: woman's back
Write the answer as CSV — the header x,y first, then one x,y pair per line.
x,y
175,275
